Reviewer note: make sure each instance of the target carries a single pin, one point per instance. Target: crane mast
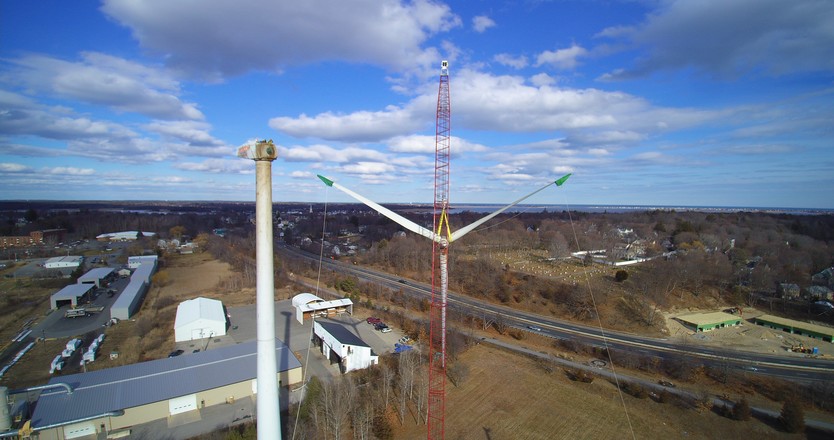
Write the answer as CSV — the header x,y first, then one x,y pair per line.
x,y
440,254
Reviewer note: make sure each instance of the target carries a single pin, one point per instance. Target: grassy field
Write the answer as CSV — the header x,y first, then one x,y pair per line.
x,y
508,396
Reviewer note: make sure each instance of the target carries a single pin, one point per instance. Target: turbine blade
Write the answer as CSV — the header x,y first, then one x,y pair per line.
x,y
396,218
467,229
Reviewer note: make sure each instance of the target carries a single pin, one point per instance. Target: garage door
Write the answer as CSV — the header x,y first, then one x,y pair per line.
x,y
182,404
79,430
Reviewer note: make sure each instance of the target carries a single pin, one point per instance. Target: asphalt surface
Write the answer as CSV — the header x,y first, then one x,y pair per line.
x,y
791,368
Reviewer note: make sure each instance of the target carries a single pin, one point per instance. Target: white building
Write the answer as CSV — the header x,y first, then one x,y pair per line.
x,y
199,318
124,235
62,262
69,295
138,260
342,347
308,305
98,277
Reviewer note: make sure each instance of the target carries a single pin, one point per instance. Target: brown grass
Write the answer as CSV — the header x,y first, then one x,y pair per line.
x,y
508,396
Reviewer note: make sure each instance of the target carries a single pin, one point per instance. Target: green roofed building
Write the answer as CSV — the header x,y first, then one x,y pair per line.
x,y
703,322
797,327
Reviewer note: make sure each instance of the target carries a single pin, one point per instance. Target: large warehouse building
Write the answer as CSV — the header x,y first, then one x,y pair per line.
x,y
98,277
116,399
797,327
199,318
63,262
132,296
702,322
69,295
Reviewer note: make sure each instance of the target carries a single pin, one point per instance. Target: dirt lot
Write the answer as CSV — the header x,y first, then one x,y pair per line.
x,y
510,396
747,337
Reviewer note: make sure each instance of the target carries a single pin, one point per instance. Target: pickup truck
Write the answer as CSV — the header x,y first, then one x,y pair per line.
x,y
75,313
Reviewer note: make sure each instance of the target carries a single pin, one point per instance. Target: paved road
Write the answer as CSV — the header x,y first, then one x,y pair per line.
x,y
803,369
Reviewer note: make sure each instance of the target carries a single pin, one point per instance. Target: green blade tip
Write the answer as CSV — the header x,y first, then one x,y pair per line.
x,y
326,181
563,179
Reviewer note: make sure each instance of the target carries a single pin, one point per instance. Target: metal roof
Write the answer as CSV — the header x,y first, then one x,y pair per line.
x,y
709,318
96,274
324,305
304,298
199,308
72,291
819,329
135,385
341,333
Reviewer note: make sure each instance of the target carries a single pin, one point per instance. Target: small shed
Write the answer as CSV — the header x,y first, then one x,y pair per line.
x,y
199,318
342,347
308,305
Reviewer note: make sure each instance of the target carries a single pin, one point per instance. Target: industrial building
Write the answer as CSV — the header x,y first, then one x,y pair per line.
x,y
199,318
124,236
70,295
342,347
138,260
63,262
111,401
309,306
702,322
132,296
796,327
98,277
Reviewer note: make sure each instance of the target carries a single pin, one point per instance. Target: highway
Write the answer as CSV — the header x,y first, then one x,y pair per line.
x,y
785,367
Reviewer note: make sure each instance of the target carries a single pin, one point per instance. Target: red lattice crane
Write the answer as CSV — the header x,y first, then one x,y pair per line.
x,y
440,258
441,238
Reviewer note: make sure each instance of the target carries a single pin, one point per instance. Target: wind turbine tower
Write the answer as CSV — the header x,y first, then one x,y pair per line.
x,y
441,238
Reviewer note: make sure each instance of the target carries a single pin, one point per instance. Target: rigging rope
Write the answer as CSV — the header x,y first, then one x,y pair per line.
x,y
313,318
601,329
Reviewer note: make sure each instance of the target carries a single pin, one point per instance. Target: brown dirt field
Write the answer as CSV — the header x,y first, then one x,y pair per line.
x,y
509,396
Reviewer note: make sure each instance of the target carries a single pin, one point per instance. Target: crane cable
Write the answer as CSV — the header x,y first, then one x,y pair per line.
x,y
601,329
313,318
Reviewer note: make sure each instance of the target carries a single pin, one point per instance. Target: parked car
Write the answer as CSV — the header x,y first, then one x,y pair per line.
x,y
380,326
666,383
373,320
175,353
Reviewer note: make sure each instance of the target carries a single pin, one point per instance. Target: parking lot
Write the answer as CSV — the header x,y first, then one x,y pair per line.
x,y
297,336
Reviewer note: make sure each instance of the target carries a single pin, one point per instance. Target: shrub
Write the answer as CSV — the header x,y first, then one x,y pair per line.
x,y
792,416
741,410
620,276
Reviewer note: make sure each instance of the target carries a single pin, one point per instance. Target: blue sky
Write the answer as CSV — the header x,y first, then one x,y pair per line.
x,y
681,103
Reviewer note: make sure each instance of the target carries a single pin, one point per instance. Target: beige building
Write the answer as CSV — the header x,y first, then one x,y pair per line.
x,y
116,399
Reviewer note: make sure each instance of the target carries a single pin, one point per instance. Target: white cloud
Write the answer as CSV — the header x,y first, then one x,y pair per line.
x,y
729,38
506,59
7,167
357,126
108,81
564,59
70,171
481,23
192,132
496,103
325,153
423,144
230,166
542,79
229,38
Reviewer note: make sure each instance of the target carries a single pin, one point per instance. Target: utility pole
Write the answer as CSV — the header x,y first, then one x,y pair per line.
x,y
268,412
